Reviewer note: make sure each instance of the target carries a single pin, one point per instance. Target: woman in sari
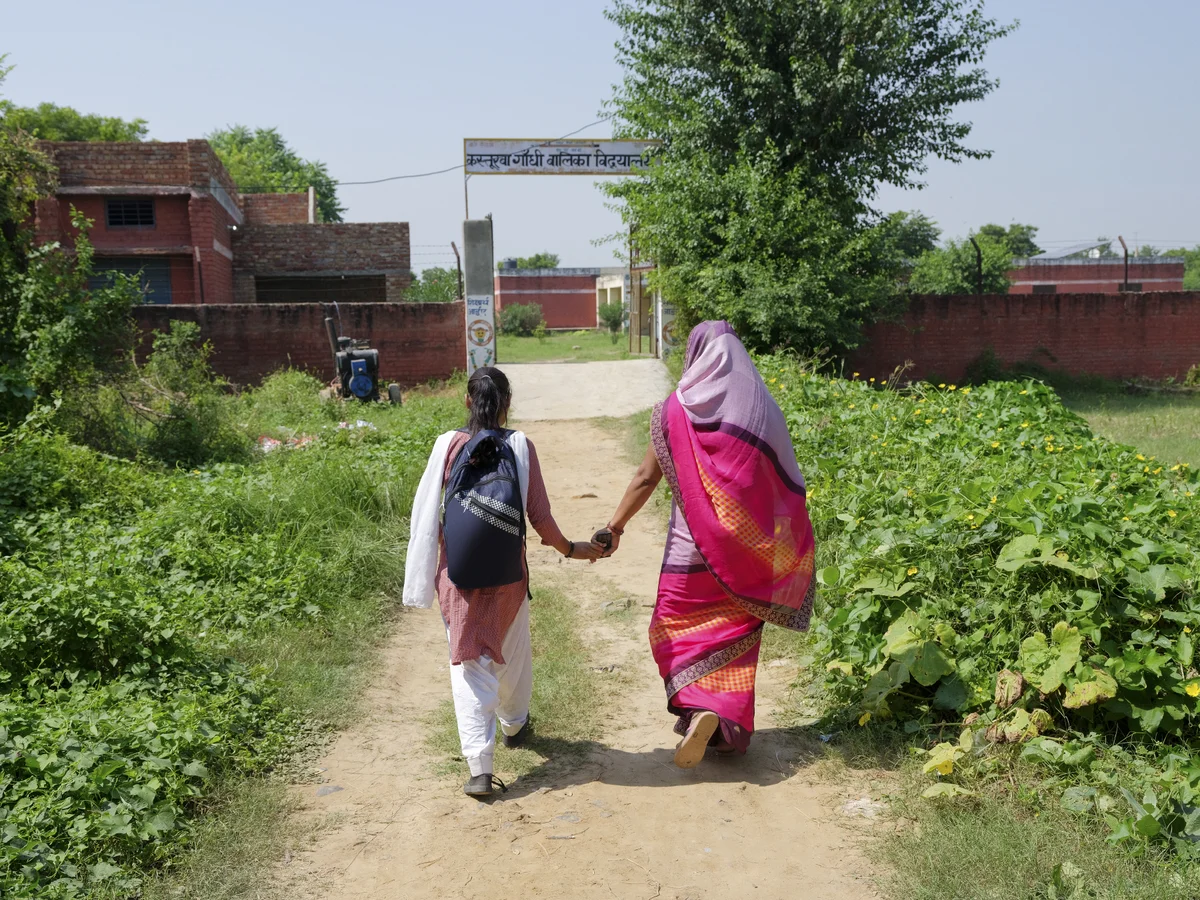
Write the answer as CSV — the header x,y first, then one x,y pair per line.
x,y
739,547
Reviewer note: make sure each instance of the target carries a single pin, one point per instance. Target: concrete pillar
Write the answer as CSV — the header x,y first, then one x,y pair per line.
x,y
479,270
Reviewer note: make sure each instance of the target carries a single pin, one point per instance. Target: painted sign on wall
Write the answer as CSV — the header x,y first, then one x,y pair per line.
x,y
493,156
481,331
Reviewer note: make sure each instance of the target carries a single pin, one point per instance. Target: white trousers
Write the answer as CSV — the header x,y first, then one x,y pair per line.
x,y
484,690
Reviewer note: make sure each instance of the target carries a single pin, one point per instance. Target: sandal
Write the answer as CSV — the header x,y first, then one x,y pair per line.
x,y
691,749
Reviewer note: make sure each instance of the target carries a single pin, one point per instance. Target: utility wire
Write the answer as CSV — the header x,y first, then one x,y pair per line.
x,y
246,188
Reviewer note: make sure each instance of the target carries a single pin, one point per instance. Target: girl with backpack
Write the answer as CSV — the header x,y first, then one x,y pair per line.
x,y
467,546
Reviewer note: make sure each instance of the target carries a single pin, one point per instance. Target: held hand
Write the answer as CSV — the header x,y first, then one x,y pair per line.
x,y
588,550
607,539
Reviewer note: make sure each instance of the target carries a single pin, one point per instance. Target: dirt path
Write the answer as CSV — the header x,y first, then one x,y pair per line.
x,y
623,822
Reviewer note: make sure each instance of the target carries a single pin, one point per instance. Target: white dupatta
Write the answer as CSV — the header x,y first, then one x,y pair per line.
x,y
425,524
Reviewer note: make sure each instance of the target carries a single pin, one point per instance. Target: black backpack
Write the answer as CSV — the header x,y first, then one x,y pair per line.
x,y
483,518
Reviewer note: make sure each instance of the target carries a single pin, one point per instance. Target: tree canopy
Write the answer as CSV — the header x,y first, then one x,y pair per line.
x,y
910,233
50,122
1191,272
1019,239
954,268
543,260
261,162
433,285
779,120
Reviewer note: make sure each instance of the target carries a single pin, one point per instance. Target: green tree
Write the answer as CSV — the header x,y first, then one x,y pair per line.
x,y
434,285
50,122
54,331
542,260
1018,238
612,317
261,162
910,234
1191,271
954,268
779,120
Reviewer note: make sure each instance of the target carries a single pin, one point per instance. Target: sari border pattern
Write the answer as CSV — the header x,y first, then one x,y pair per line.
x,y
698,670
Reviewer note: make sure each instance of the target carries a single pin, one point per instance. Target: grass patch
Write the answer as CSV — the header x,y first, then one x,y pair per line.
x,y
566,704
563,346
999,847
1165,425
248,829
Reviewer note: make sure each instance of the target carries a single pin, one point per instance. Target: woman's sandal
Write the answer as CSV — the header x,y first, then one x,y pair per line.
x,y
691,749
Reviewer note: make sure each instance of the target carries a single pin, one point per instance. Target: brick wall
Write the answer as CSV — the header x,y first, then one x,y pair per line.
x,y
416,341
374,248
567,296
275,209
1153,335
120,163
1099,276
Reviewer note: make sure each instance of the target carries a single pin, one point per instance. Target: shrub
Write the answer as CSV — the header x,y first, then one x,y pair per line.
x,y
612,317
128,595
172,410
521,319
1192,379
984,554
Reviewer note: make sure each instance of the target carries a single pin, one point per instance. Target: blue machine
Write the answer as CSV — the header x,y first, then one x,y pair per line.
x,y
361,385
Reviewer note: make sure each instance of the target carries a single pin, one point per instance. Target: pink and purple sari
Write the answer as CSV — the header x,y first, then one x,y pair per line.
x,y
740,545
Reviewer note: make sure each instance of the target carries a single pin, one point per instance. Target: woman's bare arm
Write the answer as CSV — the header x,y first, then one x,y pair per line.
x,y
640,489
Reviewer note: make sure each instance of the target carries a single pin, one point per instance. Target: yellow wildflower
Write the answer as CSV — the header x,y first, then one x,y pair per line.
x,y
942,385
953,387
946,767
993,499
852,406
1187,629
1193,689
872,381
966,390
1171,513
970,517
912,570
855,374
864,718
1023,393
1024,424
1141,458
884,444
1158,470
995,444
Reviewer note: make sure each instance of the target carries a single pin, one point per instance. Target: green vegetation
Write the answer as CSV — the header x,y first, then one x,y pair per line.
x,y
433,285
163,631
543,260
779,123
559,346
566,707
1191,271
986,556
1017,238
50,122
954,269
520,319
612,317
1162,424
261,162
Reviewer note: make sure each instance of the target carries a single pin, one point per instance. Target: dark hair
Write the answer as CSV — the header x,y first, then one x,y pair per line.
x,y
490,396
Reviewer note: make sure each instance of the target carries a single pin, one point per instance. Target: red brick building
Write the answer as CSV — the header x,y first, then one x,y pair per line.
x,y
171,212
568,297
1102,275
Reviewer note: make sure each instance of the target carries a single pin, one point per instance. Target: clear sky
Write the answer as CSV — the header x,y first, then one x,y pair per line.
x,y
1091,127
